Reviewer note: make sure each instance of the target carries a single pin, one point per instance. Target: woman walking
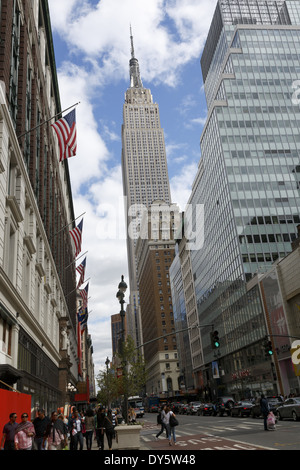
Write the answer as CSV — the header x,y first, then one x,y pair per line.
x,y
24,434
56,433
166,415
109,429
161,423
89,428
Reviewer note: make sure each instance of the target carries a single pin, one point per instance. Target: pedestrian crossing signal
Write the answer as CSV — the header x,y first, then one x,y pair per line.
x,y
268,347
215,342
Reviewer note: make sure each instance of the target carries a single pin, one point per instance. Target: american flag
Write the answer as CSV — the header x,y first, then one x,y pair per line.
x,y
81,270
65,129
76,236
84,296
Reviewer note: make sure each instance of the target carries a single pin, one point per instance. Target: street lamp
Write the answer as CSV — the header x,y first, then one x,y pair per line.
x,y
120,296
107,362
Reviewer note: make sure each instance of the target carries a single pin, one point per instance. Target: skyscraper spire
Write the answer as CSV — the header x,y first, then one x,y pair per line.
x,y
134,69
132,46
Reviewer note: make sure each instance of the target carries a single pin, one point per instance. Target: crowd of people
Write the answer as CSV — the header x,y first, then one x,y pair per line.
x,y
59,432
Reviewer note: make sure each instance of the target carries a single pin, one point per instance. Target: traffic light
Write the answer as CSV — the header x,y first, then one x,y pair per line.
x,y
268,347
215,342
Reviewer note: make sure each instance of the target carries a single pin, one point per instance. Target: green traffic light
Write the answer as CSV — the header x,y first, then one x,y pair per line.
x,y
217,345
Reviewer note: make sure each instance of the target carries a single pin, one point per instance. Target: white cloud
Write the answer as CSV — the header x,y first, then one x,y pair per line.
x,y
181,184
101,32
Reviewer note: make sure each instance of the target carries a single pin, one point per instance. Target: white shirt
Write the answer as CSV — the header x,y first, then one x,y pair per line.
x,y
166,416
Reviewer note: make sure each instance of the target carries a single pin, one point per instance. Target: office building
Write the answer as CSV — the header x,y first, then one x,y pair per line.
x,y
249,182
155,254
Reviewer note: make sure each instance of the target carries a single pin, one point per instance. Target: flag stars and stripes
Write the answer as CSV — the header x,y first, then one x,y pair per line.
x,y
65,129
81,270
84,296
76,238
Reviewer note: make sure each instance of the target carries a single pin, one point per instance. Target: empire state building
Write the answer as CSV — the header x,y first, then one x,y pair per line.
x,y
145,173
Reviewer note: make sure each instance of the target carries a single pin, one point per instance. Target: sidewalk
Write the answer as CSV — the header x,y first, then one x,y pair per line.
x,y
114,445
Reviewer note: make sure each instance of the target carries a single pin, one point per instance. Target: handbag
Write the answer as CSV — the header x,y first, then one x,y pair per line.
x,y
271,421
173,421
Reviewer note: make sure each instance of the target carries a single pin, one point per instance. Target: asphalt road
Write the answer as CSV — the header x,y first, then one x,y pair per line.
x,y
222,433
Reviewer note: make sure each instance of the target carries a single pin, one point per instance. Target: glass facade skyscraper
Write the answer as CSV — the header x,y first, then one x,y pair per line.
x,y
250,150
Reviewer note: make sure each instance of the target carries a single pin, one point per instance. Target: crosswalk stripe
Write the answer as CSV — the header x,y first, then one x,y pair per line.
x,y
208,429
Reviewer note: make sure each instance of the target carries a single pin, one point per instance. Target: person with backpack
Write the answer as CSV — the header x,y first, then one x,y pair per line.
x,y
170,421
161,423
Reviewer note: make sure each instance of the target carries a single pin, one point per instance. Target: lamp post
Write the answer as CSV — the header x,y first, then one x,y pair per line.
x,y
120,296
107,364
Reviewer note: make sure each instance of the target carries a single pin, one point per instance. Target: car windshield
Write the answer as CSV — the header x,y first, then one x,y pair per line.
x,y
297,400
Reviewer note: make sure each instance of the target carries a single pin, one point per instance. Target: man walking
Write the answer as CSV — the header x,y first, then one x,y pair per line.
x,y
265,410
40,424
9,431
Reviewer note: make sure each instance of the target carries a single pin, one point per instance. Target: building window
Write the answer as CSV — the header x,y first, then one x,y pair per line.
x,y
5,336
14,70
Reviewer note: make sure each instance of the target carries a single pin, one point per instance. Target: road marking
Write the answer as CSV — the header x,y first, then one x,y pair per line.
x,y
187,433
204,441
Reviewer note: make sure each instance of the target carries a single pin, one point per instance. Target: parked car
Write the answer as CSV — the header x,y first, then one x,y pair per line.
x,y
175,406
224,405
183,409
154,409
241,408
193,407
206,409
274,402
289,409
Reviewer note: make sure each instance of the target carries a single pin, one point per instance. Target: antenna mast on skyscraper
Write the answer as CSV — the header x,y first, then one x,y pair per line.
x,y
132,46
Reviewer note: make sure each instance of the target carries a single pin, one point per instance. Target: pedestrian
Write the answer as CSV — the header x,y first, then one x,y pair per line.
x,y
56,433
161,423
166,415
265,410
64,426
119,416
24,434
131,415
40,424
75,428
100,428
9,430
109,429
89,428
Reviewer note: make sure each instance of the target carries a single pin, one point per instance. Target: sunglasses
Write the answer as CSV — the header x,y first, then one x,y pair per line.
x,y
24,416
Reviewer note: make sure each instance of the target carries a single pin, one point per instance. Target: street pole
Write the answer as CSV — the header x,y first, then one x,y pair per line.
x,y
107,382
120,295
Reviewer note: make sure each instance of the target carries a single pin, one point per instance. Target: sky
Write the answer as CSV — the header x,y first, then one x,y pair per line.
x,y
92,50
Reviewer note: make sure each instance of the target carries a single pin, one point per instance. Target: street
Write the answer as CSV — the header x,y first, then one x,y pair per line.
x,y
222,433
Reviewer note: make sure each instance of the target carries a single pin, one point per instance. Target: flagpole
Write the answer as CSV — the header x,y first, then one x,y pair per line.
x,y
67,226
44,122
75,260
76,287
